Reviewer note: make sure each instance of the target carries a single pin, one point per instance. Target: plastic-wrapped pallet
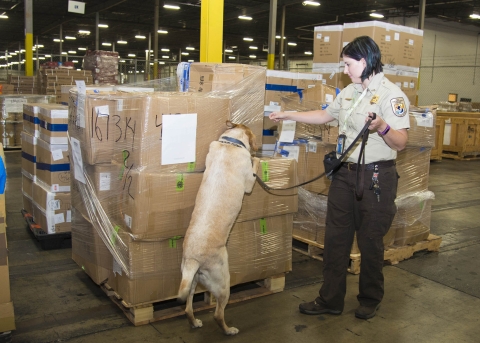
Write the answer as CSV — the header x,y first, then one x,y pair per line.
x,y
103,65
138,190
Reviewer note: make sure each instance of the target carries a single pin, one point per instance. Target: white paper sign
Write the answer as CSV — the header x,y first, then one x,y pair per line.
x,y
288,131
179,136
396,36
312,147
327,39
328,98
102,111
57,155
59,218
76,7
77,160
105,181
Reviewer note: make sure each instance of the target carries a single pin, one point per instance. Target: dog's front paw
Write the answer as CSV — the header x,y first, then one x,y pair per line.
x,y
197,324
231,331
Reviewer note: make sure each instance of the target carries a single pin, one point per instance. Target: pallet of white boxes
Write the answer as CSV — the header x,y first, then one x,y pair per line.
x,y
410,230
131,203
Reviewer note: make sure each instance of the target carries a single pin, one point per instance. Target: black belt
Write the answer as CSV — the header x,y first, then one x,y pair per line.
x,y
370,166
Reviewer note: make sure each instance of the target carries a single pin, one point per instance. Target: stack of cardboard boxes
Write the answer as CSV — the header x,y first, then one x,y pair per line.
x,y
57,81
133,190
7,318
23,84
45,166
400,46
11,120
6,88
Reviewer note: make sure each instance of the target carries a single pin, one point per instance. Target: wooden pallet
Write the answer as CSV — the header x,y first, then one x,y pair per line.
x,y
315,250
462,156
394,254
151,312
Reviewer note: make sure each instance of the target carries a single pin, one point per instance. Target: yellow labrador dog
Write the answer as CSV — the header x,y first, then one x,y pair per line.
x,y
229,174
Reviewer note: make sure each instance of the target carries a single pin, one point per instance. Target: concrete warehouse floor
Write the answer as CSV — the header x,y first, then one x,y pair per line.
x,y
431,297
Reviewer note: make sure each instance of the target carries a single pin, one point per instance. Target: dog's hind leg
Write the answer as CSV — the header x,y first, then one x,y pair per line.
x,y
219,286
195,323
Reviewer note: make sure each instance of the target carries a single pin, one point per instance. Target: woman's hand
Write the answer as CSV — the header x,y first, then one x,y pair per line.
x,y
277,116
377,124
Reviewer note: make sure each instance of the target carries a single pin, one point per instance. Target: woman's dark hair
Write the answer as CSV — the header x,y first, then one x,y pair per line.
x,y
365,47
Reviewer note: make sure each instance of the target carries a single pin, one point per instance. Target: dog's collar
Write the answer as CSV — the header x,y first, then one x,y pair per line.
x,y
232,141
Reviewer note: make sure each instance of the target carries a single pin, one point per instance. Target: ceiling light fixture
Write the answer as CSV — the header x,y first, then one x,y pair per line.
x,y
189,48
106,44
292,43
164,56
311,3
162,31
231,57
103,26
164,49
122,42
252,56
308,52
84,32
70,37
3,16
72,52
248,39
171,7
57,40
475,15
229,50
185,53
83,49
253,47
131,55
244,17
278,37
376,15
140,37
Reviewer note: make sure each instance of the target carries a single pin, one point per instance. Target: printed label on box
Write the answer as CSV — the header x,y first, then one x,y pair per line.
x,y
57,155
105,181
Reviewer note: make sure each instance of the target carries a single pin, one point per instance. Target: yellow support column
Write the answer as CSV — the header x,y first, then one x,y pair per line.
x,y
28,38
211,31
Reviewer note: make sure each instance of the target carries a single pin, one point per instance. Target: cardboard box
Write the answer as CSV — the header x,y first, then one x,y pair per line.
x,y
310,155
29,155
406,81
399,45
88,249
27,203
31,123
52,211
6,88
7,317
157,204
10,133
53,167
276,173
412,220
413,167
132,131
27,185
327,43
257,249
422,127
53,123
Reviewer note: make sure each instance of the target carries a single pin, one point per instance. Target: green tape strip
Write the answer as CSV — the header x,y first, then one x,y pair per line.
x,y
122,170
172,242
113,237
191,167
265,171
263,226
180,186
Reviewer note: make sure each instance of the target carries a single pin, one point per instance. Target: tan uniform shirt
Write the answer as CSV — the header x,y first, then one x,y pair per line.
x,y
382,97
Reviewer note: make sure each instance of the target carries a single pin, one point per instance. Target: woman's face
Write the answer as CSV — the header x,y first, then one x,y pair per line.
x,y
354,68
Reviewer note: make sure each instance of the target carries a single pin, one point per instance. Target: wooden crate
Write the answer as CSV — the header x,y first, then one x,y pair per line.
x,y
463,137
437,150
151,312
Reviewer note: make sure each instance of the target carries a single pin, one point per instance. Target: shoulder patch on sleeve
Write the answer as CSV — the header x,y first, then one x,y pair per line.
x,y
398,106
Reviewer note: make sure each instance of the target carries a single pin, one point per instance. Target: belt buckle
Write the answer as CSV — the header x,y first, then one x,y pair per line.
x,y
350,164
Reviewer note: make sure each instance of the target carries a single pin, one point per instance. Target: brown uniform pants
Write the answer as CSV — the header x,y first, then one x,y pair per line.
x,y
371,220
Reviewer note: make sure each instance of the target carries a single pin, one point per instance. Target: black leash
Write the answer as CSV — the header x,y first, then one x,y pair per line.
x,y
364,132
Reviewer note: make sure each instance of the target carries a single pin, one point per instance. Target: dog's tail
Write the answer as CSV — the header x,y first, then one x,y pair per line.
x,y
189,269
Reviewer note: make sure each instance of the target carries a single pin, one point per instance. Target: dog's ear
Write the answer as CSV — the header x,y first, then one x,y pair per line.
x,y
230,125
252,140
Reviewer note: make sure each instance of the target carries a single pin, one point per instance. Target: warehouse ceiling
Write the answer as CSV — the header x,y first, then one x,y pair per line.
x,y
128,18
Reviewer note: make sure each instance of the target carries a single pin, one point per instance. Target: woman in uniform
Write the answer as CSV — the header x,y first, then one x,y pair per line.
x,y
369,217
